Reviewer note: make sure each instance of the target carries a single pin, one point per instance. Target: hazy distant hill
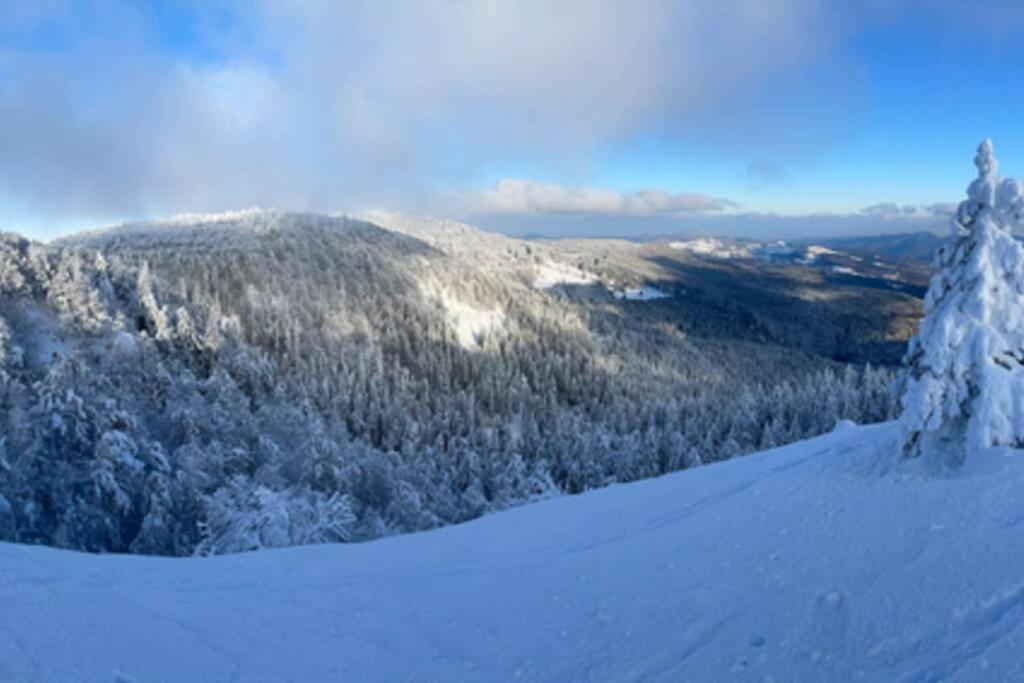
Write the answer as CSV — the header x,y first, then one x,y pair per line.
x,y
917,247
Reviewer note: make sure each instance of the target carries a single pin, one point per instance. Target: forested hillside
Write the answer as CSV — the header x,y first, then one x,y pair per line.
x,y
223,383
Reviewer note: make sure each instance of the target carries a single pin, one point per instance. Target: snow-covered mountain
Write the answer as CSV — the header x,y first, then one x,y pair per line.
x,y
717,247
919,247
741,249
226,382
827,560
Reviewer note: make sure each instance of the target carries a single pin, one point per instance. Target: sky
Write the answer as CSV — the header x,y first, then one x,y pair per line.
x,y
762,118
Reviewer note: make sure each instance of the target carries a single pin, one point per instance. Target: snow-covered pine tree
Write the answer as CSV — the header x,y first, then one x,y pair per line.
x,y
965,383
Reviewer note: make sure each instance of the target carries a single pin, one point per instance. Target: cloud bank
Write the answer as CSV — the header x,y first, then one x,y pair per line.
x,y
511,196
128,109
119,110
893,211
753,225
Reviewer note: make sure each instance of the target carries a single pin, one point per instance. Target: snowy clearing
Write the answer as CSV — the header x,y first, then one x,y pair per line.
x,y
806,563
845,270
472,324
645,293
813,252
710,246
551,274
729,249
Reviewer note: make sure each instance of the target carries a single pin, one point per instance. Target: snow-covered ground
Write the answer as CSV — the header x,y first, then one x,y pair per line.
x,y
779,251
720,248
471,324
807,563
645,293
813,252
714,247
844,270
553,273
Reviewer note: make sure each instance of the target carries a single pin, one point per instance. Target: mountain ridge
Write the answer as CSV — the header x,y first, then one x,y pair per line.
x,y
262,379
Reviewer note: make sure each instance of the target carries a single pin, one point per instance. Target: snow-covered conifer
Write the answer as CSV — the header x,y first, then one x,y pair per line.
x,y
965,388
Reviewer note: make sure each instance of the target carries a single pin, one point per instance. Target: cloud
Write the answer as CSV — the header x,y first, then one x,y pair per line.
x,y
736,224
893,211
941,209
511,196
888,210
310,104
528,208
124,110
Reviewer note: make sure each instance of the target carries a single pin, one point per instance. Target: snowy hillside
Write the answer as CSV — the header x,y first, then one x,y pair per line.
x,y
726,249
812,562
734,249
163,385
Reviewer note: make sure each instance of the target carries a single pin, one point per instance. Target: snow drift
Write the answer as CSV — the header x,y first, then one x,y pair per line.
x,y
805,563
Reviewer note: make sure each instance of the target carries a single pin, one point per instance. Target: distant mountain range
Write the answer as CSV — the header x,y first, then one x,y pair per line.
x,y
915,247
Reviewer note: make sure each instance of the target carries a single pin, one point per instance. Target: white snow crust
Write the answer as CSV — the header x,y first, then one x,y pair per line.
x,y
821,561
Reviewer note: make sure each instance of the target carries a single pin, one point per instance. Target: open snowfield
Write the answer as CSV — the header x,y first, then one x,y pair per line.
x,y
806,563
472,324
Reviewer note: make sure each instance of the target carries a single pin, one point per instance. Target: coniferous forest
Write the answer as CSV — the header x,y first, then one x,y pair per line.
x,y
226,383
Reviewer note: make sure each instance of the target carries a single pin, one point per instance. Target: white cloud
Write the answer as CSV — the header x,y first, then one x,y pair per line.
x,y
731,223
511,196
893,211
324,105
313,104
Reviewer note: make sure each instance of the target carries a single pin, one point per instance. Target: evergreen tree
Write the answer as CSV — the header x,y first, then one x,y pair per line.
x,y
966,364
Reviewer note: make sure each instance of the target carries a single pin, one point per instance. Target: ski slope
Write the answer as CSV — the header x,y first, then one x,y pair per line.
x,y
821,561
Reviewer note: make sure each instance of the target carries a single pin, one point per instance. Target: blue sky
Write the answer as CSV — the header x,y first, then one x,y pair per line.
x,y
766,117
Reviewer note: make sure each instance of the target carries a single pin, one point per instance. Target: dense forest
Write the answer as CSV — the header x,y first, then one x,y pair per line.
x,y
226,383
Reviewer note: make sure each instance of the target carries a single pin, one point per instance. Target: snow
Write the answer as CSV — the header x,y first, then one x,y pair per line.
x,y
771,249
243,216
450,237
552,273
472,324
719,248
814,251
820,561
42,338
715,247
250,218
644,293
845,270
967,361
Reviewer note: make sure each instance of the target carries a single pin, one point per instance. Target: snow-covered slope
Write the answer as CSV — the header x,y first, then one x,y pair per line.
x,y
722,248
645,293
814,562
552,273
